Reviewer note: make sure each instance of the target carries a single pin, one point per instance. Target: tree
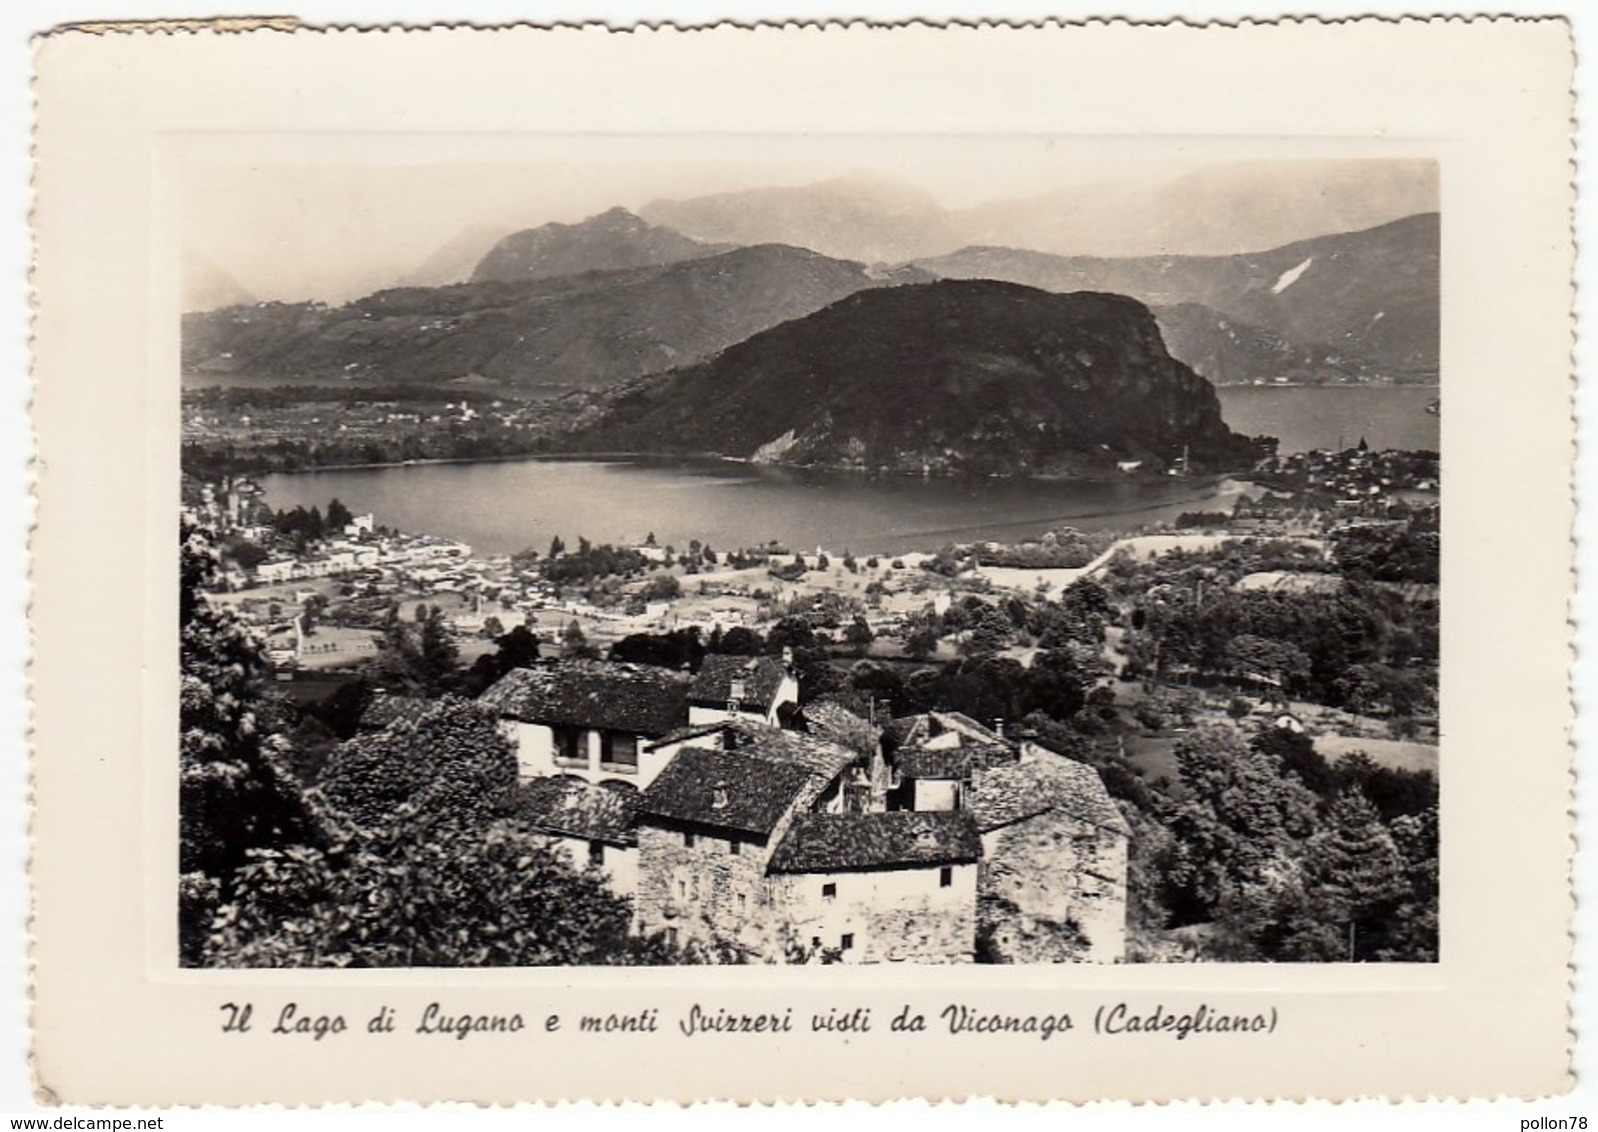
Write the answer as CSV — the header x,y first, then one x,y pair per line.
x,y
664,588
423,890
681,648
1240,813
574,644
1279,664
858,633
493,627
246,554
454,757
438,656
235,794
921,643
1358,871
396,664
517,649
338,516
739,641
556,547
1054,685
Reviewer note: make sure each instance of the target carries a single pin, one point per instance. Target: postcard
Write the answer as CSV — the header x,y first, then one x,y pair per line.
x,y
803,562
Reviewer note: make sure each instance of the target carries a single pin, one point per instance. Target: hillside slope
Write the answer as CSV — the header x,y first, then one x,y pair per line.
x,y
551,335
611,241
945,376
1367,302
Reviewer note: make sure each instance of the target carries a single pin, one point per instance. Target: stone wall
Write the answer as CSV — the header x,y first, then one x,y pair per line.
x,y
1053,890
883,916
706,893
618,863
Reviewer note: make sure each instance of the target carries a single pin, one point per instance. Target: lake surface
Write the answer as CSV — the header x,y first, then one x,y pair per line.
x,y
501,507
1309,417
504,506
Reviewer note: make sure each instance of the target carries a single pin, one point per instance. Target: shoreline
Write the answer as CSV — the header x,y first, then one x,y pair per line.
x,y
625,457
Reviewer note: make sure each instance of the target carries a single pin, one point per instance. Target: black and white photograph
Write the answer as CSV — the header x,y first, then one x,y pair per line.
x,y
1020,556
804,563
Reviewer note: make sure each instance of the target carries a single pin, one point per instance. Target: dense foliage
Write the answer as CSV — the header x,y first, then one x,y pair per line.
x,y
235,792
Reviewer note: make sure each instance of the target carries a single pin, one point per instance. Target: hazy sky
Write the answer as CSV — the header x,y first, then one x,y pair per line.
x,y
353,215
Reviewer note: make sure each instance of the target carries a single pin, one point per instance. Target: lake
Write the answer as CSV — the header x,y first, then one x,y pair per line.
x,y
1306,417
503,506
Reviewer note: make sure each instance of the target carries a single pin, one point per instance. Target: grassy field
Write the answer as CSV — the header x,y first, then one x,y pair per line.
x,y
1394,753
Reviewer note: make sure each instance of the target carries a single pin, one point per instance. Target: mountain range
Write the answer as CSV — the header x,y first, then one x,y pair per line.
x,y
1223,210
1359,304
591,304
611,241
968,376
535,335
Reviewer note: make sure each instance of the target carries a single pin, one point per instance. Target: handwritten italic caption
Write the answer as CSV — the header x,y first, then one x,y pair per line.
x,y
296,1020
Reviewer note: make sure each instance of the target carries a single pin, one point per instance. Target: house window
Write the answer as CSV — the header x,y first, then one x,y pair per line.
x,y
682,890
687,839
829,891
741,902
735,847
945,877
596,854
618,751
571,748
846,942
671,936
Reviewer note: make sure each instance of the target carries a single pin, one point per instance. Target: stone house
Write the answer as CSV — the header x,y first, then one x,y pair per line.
x,y
932,757
707,827
1052,886
759,842
589,719
593,825
753,687
891,887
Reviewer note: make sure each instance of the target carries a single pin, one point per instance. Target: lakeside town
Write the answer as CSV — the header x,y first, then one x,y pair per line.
x,y
1019,608
1213,739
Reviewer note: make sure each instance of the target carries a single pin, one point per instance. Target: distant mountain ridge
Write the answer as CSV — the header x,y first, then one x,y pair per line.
x,y
1235,209
586,331
972,376
207,287
1358,304
867,219
613,240
455,259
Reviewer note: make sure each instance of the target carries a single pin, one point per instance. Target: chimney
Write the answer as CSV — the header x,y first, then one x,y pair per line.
x,y
718,797
998,728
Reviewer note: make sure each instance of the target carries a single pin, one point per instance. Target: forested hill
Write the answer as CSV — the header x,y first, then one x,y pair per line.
x,y
970,376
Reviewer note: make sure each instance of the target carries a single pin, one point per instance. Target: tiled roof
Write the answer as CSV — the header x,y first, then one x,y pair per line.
x,y
837,724
729,790
761,676
569,807
817,755
386,710
681,733
947,744
933,762
593,693
1041,783
825,843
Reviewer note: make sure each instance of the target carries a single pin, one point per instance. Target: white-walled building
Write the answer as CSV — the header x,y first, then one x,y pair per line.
x,y
590,719
750,687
